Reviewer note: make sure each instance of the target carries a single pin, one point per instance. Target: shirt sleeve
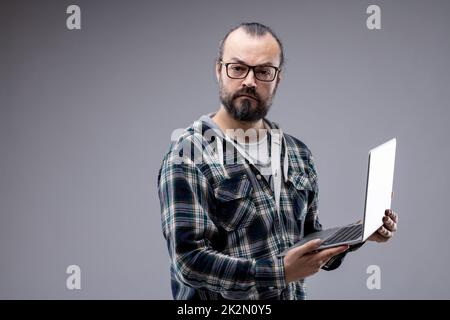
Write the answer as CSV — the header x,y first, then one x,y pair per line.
x,y
186,198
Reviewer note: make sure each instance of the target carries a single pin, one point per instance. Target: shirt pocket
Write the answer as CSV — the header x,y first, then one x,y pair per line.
x,y
303,188
235,208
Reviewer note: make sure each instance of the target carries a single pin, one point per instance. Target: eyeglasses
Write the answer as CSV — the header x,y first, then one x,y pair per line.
x,y
241,70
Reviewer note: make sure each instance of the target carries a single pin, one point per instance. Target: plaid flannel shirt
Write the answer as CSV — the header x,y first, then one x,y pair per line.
x,y
221,224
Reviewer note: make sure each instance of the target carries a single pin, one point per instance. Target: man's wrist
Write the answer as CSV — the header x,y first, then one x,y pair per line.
x,y
270,273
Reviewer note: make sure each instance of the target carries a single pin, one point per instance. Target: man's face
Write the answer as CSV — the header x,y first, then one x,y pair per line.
x,y
248,99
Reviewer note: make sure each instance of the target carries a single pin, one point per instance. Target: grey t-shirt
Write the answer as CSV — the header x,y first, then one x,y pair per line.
x,y
257,152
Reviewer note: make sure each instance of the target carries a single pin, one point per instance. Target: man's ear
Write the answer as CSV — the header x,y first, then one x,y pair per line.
x,y
218,67
279,77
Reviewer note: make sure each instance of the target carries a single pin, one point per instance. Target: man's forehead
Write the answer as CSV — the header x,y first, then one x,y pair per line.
x,y
250,49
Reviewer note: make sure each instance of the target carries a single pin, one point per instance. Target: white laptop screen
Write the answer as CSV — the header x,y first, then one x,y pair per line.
x,y
380,180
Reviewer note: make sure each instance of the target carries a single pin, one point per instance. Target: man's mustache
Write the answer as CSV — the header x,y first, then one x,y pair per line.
x,y
251,92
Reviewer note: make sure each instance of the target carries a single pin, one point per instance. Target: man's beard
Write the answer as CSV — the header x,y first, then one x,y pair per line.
x,y
245,111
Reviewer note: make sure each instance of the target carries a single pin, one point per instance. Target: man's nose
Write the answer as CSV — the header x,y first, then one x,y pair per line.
x,y
250,80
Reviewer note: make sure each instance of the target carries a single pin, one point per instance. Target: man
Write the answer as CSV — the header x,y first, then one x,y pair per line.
x,y
225,215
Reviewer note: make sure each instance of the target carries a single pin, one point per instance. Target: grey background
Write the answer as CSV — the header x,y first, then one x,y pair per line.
x,y
86,116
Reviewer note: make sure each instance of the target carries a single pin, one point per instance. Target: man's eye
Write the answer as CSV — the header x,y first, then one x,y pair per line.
x,y
238,68
264,72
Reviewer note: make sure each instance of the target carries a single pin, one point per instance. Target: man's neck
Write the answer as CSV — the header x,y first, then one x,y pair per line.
x,y
226,123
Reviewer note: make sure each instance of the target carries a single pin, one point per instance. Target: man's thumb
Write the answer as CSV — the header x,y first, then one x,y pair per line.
x,y
307,247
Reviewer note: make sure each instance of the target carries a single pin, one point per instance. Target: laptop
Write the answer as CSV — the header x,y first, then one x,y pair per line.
x,y
380,177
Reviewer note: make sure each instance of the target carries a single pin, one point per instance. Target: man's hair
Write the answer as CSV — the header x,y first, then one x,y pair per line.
x,y
253,29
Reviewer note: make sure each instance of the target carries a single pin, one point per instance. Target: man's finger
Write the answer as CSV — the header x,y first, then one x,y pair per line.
x,y
391,214
385,232
389,223
307,247
394,216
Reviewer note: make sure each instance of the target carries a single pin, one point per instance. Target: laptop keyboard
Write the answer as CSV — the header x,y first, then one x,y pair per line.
x,y
345,234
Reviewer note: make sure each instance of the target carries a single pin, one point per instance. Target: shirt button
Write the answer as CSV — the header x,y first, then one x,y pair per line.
x,y
258,176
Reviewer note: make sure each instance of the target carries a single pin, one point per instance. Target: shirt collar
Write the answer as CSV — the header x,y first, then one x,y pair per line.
x,y
200,126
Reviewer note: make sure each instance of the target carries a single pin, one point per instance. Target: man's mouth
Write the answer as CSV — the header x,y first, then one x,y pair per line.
x,y
246,96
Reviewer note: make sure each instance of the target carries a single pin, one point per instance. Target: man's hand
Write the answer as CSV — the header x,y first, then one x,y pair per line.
x,y
304,261
387,230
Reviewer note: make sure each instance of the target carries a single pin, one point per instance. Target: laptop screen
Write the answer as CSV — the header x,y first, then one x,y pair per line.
x,y
380,178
